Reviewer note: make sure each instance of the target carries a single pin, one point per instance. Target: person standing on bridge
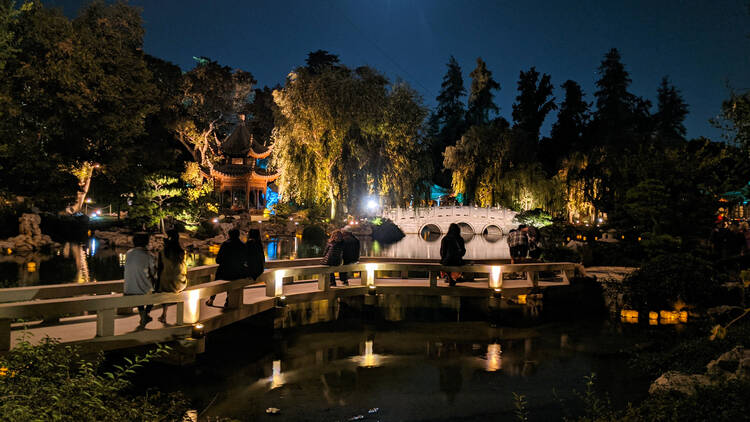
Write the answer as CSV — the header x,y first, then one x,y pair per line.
x,y
351,252
172,269
452,251
334,253
256,260
140,268
232,260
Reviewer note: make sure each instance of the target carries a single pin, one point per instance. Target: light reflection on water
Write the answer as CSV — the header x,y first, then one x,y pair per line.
x,y
412,371
87,262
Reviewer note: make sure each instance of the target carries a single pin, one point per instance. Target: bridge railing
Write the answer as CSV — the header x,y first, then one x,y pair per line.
x,y
106,303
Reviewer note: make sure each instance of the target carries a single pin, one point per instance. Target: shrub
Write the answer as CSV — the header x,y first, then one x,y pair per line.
x,y
53,382
666,279
560,254
536,217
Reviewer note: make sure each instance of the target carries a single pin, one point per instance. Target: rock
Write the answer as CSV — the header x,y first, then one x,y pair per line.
x,y
387,232
679,382
732,364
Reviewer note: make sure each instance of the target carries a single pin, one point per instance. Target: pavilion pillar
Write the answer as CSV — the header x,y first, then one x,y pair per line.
x,y
257,199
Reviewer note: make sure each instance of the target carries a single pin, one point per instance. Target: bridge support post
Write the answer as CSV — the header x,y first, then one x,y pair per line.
x,y
533,278
105,322
4,334
433,278
234,299
180,313
324,282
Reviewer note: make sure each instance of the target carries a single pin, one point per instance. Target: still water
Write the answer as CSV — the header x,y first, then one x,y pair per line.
x,y
404,371
90,262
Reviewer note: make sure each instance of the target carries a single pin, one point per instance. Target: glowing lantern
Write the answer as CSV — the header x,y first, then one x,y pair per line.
x,y
521,299
31,267
370,269
494,358
214,249
495,277
683,316
278,282
653,316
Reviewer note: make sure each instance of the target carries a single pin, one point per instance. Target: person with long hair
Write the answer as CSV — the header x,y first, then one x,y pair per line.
x,y
172,269
255,258
452,251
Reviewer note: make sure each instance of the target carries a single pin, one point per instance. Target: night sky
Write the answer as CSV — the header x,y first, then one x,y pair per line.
x,y
702,46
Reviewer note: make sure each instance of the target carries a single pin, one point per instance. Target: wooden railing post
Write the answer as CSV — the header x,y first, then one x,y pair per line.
x,y
533,278
180,313
105,322
234,298
4,334
433,278
324,282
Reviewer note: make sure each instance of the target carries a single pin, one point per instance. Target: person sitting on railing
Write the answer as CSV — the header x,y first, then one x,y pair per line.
x,y
333,253
172,269
255,258
518,243
350,253
232,260
139,274
452,251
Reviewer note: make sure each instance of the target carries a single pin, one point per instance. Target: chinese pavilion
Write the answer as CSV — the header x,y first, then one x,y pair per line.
x,y
238,179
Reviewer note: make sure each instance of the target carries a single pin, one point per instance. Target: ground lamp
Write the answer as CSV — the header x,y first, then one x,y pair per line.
x,y
370,270
198,330
496,277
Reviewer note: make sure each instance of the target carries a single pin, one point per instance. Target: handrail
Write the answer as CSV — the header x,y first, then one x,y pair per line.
x,y
188,301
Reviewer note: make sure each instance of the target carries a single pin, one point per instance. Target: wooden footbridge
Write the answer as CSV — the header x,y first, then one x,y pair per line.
x,y
97,316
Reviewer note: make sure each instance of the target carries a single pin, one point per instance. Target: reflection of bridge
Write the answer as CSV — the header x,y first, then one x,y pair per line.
x,y
472,220
88,314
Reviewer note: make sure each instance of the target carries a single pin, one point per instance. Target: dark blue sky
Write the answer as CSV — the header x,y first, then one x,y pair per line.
x,y
703,46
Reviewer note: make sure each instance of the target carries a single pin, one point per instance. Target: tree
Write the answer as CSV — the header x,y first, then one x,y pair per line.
x,y
568,132
346,132
533,102
735,120
153,202
212,96
615,105
449,117
320,61
481,97
670,116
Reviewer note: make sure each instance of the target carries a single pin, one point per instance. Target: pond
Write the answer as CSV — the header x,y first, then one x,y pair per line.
x,y
90,262
403,371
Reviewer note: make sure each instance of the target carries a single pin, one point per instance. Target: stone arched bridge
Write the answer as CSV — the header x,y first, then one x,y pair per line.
x,y
472,220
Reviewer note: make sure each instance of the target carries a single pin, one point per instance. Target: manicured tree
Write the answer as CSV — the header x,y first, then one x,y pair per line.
x,y
481,103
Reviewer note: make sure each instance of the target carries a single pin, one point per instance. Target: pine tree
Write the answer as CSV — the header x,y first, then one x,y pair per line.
x,y
481,97
448,119
671,113
533,102
568,132
614,103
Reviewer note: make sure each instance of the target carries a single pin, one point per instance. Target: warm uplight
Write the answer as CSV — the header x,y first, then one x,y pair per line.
x,y
370,269
215,220
683,316
31,267
192,306
278,282
628,313
494,358
9,251
370,359
495,277
214,249
277,380
198,331
653,315
521,299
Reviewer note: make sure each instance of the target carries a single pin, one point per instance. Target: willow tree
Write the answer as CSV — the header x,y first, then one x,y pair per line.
x,y
342,131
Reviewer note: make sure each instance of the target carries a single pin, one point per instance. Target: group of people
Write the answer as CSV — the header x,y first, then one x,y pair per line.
x,y
167,272
342,248
523,242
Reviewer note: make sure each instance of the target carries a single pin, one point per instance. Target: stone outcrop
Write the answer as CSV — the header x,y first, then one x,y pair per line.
x,y
732,365
30,237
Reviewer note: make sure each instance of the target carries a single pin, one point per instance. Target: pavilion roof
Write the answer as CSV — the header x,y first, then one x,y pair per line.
x,y
240,143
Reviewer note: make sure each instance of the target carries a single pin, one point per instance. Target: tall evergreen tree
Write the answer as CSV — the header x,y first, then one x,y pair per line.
x,y
568,131
481,101
320,60
670,116
533,102
614,103
448,119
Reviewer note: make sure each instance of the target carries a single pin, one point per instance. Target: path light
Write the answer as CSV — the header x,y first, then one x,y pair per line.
x,y
193,307
278,282
370,268
653,315
497,293
31,267
215,220
495,275
521,299
277,379
494,357
281,301
198,330
683,316
371,289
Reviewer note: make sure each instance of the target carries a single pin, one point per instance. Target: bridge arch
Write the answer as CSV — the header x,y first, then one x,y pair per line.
x,y
466,228
430,232
492,229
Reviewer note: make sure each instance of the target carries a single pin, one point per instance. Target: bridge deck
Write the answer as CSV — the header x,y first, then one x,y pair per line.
x,y
82,329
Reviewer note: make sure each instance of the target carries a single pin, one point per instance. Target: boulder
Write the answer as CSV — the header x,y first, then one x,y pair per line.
x,y
679,382
732,364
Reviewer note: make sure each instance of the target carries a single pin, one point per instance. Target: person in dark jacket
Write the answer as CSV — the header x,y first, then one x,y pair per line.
x,y
452,251
232,260
350,254
255,258
334,252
